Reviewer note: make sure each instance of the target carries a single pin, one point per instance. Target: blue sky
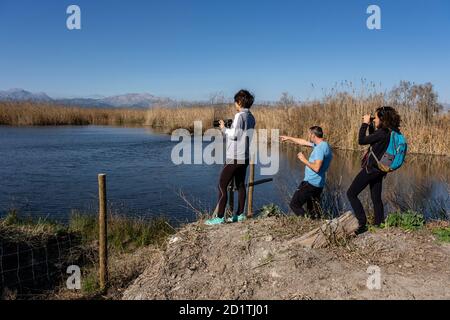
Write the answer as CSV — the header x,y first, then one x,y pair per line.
x,y
187,49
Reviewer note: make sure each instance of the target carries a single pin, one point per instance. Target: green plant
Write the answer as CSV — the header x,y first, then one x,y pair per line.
x,y
89,284
11,218
270,210
408,220
443,234
85,224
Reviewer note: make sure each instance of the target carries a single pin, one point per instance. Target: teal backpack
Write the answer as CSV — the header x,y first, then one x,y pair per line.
x,y
395,153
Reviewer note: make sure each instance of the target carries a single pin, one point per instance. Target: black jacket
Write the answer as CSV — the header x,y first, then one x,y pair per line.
x,y
379,142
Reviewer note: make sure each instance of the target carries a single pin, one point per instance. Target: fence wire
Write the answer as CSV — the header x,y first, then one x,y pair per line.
x,y
27,265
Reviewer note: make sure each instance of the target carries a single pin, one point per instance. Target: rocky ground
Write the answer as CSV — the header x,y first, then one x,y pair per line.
x,y
261,259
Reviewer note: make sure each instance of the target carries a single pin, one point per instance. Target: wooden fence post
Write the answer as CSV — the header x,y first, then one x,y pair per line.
x,y
102,220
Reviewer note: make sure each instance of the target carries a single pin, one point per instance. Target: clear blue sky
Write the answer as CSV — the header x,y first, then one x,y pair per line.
x,y
190,49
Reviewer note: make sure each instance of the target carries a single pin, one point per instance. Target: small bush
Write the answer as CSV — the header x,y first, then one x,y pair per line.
x,y
408,220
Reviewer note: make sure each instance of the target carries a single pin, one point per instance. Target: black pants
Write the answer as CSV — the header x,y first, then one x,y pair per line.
x,y
230,171
309,194
361,181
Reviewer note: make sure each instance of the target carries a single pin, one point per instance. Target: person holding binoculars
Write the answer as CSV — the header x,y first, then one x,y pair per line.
x,y
381,125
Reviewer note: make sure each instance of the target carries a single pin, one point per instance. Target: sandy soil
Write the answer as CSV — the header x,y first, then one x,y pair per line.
x,y
261,259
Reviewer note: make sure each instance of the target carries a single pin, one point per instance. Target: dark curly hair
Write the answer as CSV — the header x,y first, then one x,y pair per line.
x,y
244,98
390,119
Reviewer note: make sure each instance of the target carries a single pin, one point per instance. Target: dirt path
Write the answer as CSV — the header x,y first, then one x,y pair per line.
x,y
261,259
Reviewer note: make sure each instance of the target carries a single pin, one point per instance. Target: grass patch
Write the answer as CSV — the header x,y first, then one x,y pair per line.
x,y
90,285
442,234
408,220
125,234
17,228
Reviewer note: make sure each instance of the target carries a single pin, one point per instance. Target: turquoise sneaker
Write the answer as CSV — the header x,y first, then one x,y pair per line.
x,y
238,218
215,221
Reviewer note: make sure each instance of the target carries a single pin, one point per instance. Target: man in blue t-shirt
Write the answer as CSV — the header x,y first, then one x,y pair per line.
x,y
316,167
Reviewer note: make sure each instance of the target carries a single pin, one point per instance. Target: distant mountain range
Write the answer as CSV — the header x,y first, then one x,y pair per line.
x,y
129,100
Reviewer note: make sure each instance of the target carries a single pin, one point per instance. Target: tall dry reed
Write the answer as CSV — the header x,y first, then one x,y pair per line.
x,y
339,115
28,113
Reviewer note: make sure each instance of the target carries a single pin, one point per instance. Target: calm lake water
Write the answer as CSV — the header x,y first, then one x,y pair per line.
x,y
50,171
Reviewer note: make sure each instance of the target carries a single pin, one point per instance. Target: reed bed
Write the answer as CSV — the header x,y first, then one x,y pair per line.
x,y
340,117
169,119
28,113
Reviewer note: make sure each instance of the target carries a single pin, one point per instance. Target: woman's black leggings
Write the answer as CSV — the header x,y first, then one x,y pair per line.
x,y
230,171
375,180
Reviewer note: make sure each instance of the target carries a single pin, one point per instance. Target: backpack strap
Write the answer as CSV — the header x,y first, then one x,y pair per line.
x,y
381,166
371,153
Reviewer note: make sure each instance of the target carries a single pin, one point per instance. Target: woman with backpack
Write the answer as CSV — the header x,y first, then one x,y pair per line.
x,y
376,163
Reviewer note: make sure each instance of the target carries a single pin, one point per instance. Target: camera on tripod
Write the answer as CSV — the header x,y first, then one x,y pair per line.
x,y
227,123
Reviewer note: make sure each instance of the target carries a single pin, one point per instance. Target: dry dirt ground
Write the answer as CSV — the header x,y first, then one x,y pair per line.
x,y
261,259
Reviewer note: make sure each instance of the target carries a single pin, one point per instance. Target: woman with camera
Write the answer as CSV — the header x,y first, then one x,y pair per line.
x,y
238,137
380,126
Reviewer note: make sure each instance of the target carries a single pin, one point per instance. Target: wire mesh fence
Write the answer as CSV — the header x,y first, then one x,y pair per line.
x,y
37,263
